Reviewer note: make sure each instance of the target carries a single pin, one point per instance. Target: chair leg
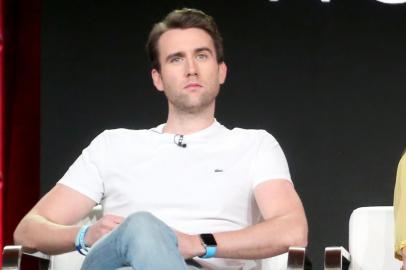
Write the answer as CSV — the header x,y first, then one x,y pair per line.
x,y
297,259
336,258
12,257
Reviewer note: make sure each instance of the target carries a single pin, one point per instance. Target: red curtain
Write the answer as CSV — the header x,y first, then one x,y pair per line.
x,y
21,98
1,122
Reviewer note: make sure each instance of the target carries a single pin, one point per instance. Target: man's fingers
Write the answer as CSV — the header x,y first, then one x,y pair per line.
x,y
114,218
111,222
106,224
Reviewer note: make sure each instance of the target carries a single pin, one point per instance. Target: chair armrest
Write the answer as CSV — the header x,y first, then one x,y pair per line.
x,y
336,258
297,259
12,256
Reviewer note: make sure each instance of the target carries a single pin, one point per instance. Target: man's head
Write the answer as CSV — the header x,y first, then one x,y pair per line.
x,y
183,19
187,57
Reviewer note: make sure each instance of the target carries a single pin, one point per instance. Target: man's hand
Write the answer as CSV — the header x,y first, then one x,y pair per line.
x,y
104,225
189,245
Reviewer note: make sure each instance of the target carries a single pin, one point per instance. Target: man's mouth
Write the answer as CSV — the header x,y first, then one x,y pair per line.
x,y
192,85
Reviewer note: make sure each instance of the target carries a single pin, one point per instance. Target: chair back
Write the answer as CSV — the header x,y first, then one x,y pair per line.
x,y
279,262
371,239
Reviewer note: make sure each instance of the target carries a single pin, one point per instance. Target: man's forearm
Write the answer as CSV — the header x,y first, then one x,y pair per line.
x,y
37,233
266,239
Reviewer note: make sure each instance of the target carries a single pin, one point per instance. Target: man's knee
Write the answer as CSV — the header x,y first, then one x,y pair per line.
x,y
144,227
142,219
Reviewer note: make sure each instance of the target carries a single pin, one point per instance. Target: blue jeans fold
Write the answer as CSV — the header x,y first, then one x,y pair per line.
x,y
141,242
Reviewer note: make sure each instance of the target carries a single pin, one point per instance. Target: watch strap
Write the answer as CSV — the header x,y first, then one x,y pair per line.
x,y
210,252
210,244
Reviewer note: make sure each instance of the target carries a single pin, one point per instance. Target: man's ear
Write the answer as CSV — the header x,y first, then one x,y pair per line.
x,y
157,80
222,72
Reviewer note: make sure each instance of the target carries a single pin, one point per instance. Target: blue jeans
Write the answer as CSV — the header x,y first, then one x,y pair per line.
x,y
141,242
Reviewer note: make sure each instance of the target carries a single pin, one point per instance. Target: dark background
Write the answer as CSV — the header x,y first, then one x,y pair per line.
x,y
327,80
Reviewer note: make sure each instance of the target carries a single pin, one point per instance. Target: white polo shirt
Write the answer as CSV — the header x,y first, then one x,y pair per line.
x,y
204,187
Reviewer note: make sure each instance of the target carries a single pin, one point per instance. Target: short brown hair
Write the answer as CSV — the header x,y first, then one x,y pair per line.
x,y
183,19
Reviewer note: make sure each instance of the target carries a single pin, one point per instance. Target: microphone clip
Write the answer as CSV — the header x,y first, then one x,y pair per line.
x,y
178,140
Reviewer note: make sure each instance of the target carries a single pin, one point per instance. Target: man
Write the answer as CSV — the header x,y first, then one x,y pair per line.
x,y
399,205
189,188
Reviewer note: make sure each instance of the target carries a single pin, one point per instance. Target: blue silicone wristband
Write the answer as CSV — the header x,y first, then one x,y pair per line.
x,y
210,252
80,244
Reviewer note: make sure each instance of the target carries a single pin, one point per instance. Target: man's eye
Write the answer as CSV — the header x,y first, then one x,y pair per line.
x,y
201,56
176,59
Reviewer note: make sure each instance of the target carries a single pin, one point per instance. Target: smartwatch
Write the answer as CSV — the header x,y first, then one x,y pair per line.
x,y
210,244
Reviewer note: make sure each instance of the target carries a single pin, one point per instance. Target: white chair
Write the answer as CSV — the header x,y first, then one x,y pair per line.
x,y
371,242
294,259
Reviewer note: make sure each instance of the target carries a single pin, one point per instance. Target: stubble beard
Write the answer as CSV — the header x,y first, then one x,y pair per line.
x,y
185,103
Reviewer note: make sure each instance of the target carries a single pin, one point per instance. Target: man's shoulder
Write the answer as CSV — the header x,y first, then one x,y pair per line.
x,y
403,158
249,133
124,132
122,135
402,162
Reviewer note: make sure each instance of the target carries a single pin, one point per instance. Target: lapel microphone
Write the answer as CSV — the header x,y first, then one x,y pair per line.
x,y
178,140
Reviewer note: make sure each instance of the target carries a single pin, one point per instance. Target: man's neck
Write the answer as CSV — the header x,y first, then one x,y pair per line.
x,y
187,123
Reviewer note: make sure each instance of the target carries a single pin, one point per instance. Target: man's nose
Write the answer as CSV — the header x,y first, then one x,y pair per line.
x,y
191,67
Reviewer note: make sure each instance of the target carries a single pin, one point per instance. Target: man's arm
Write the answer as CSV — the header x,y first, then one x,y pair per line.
x,y
399,207
284,225
49,226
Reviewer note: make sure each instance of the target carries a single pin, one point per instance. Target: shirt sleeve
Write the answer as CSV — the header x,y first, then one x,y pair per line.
x,y
84,175
399,204
270,161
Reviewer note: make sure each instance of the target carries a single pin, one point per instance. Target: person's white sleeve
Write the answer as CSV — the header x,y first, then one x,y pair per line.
x,y
85,173
270,161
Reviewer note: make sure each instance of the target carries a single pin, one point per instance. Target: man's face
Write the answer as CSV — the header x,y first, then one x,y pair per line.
x,y
190,75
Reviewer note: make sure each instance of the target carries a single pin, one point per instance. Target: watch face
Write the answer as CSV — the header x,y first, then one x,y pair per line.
x,y
208,239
